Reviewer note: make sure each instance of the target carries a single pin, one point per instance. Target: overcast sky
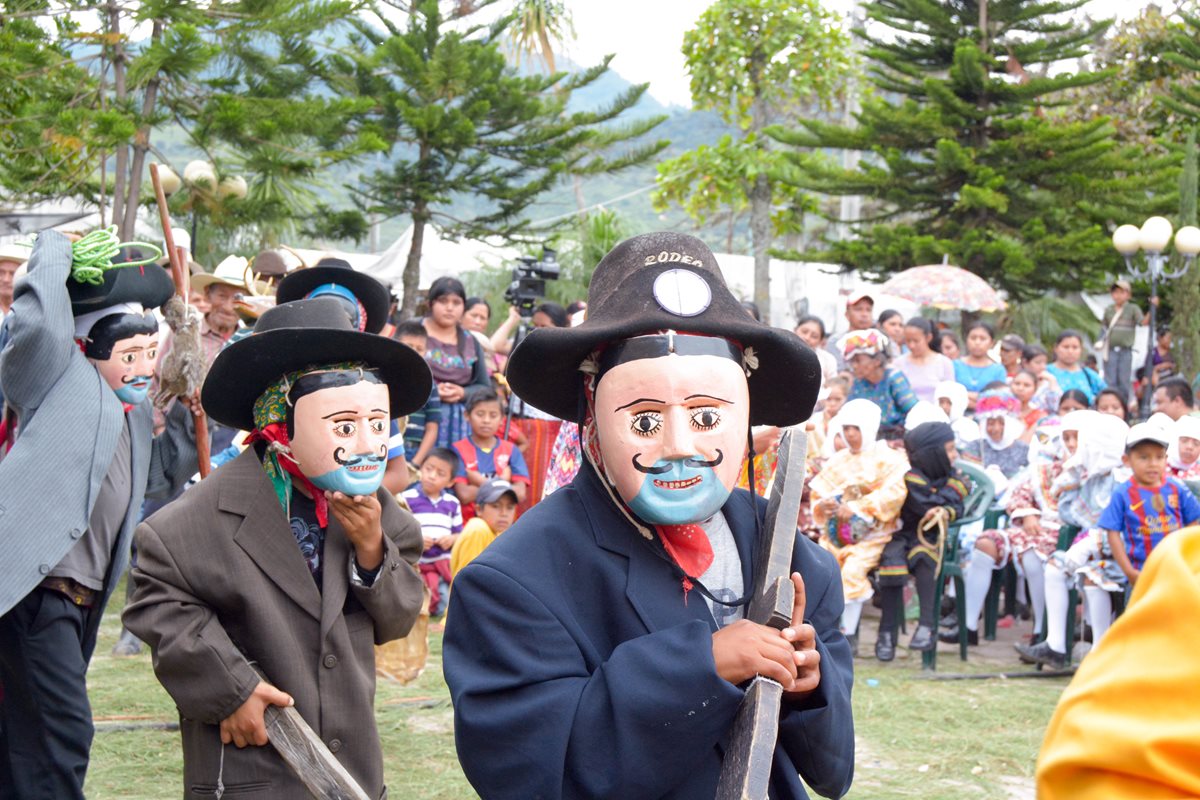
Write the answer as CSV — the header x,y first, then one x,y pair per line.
x,y
647,35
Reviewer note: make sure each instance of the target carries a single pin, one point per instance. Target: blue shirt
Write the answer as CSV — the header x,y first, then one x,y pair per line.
x,y
1145,521
975,378
485,462
893,395
1084,379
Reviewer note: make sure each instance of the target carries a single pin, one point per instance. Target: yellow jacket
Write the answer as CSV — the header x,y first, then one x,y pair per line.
x,y
476,536
1128,726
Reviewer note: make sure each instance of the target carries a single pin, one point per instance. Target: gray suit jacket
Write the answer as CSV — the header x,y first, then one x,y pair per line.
x,y
70,421
220,582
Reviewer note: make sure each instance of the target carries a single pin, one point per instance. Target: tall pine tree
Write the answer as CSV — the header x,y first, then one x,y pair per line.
x,y
1184,104
966,153
474,143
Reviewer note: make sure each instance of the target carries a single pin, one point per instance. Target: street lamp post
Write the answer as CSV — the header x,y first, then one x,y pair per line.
x,y
1153,238
204,189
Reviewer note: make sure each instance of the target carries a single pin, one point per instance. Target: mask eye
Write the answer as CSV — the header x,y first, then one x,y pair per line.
x,y
376,426
128,358
344,429
152,354
646,423
705,419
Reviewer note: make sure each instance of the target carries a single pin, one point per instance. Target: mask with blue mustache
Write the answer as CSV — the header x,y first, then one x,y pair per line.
x,y
679,491
134,390
359,474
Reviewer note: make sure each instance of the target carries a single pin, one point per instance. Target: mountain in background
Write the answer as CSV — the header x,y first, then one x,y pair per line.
x,y
627,193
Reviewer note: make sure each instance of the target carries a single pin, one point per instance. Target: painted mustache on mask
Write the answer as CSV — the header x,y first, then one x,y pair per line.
x,y
687,462
356,460
137,379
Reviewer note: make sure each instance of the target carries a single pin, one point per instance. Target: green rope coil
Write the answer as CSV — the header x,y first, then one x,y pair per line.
x,y
92,255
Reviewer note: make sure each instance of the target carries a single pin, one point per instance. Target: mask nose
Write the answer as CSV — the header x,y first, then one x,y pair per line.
x,y
678,436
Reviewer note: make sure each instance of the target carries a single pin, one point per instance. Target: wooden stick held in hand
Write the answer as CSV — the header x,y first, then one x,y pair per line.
x,y
179,275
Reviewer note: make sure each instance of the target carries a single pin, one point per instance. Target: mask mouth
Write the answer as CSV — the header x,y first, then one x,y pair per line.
x,y
354,463
137,381
683,484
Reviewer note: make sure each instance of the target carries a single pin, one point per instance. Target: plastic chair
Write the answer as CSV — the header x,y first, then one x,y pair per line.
x,y
974,508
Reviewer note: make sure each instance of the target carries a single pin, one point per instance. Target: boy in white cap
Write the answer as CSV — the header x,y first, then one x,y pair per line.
x,y
1150,505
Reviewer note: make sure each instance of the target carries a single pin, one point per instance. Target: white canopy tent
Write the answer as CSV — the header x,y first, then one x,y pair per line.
x,y
439,257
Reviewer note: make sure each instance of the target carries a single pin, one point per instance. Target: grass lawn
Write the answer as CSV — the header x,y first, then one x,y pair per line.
x,y
916,738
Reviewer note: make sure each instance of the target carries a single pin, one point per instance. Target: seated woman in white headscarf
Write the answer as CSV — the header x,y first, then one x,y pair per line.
x,y
856,501
951,397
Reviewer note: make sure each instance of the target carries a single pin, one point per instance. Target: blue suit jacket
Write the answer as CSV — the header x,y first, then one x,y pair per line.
x,y
577,669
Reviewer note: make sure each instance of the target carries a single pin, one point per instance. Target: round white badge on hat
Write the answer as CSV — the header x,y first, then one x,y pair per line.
x,y
682,292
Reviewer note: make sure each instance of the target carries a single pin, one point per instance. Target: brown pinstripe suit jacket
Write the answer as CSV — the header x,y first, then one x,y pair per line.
x,y
220,582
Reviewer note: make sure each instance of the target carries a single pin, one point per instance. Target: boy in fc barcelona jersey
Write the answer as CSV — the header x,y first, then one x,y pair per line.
x,y
1147,507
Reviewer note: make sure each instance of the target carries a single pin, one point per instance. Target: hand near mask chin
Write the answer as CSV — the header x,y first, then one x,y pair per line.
x,y
359,516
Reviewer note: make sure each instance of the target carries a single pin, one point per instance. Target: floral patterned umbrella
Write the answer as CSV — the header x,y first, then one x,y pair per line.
x,y
944,286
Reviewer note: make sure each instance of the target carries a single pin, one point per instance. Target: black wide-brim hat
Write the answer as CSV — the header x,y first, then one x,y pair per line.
x,y
148,284
308,333
373,295
656,282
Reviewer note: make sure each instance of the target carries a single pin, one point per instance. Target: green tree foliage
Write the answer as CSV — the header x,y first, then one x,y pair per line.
x,y
1184,97
1184,293
264,110
1137,55
539,25
243,80
968,154
755,62
462,123
42,128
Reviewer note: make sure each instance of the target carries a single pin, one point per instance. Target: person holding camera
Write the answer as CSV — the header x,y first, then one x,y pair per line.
x,y
540,428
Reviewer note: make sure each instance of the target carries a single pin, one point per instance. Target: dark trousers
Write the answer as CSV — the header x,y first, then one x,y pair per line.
x,y
902,558
1118,369
45,718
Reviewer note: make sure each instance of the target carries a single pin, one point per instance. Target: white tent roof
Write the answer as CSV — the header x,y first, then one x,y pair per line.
x,y
438,257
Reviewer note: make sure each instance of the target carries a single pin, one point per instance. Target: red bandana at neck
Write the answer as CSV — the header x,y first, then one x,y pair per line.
x,y
276,432
689,546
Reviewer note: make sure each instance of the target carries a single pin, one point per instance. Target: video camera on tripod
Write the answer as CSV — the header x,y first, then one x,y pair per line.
x,y
529,280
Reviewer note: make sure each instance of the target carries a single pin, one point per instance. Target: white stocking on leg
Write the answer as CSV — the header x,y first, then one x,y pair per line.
x,y
1056,589
851,615
1099,611
1034,569
978,578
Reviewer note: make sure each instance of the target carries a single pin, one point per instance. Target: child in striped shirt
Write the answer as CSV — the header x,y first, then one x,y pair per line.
x,y
440,515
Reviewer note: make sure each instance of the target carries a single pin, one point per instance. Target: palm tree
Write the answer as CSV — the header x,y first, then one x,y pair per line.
x,y
539,25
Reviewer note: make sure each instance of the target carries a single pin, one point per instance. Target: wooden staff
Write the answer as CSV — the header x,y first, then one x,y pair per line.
x,y
179,275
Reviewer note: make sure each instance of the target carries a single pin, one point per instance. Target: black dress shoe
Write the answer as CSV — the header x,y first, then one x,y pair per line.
x,y
1041,653
950,636
949,621
922,639
885,646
